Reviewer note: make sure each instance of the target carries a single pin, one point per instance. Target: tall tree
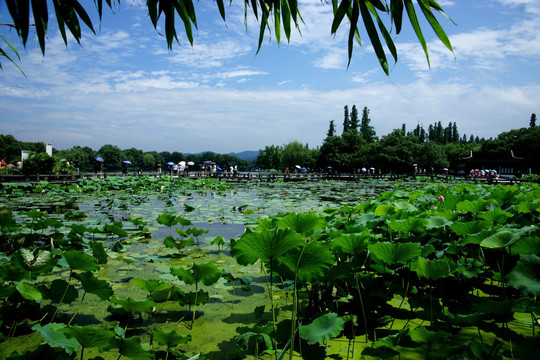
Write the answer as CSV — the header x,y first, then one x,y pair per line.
x,y
455,133
532,123
354,123
367,131
331,129
346,120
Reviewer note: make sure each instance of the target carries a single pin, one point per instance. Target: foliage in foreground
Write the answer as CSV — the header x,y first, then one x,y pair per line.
x,y
413,270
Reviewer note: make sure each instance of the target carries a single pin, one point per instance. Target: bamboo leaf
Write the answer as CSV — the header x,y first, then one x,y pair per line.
x,y
416,26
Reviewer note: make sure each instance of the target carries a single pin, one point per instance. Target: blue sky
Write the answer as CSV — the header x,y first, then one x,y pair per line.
x,y
122,86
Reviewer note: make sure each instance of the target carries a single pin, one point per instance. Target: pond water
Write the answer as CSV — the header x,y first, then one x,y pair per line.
x,y
223,213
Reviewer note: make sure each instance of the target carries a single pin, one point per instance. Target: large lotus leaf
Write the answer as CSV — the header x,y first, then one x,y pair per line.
x,y
8,224
183,274
131,348
90,336
183,221
505,237
132,306
496,214
409,225
266,245
525,276
432,269
422,335
52,335
196,231
528,206
352,243
384,210
437,222
207,273
527,245
115,228
167,219
501,239
62,291
470,227
29,291
405,206
195,298
6,290
322,329
391,340
98,250
170,339
312,260
473,207
41,261
93,285
304,224
78,260
391,253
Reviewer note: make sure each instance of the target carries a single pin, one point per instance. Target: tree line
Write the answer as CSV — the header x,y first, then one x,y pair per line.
x,y
112,155
436,147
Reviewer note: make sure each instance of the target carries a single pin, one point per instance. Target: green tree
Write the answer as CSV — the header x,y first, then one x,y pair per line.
x,y
269,157
455,133
532,122
354,123
346,119
112,156
367,131
10,148
133,155
285,15
331,129
294,153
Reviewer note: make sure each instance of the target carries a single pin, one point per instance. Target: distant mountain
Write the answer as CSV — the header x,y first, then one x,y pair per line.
x,y
246,155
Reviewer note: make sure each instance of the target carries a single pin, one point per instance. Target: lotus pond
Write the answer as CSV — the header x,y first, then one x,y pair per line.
x,y
166,268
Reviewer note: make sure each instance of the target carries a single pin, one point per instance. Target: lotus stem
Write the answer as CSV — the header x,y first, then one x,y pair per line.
x,y
63,296
361,305
78,308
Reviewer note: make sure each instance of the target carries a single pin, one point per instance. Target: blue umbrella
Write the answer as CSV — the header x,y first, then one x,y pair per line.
x,y
170,163
97,158
127,162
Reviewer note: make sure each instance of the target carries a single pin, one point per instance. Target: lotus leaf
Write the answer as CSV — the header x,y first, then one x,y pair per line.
x,y
304,224
309,262
322,329
471,227
424,336
78,260
266,245
495,215
501,239
207,273
409,225
167,219
93,285
525,276
392,253
432,269
52,335
527,245
40,261
130,306
473,207
352,243
62,291
195,298
99,252
29,291
436,222
384,209
170,339
90,336
131,348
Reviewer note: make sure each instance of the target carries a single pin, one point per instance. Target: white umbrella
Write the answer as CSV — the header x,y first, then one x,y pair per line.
x,y
191,163
298,167
182,163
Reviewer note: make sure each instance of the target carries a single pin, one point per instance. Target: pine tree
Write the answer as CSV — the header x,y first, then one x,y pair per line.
x,y
439,133
532,123
431,133
331,129
346,120
422,134
353,123
403,129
